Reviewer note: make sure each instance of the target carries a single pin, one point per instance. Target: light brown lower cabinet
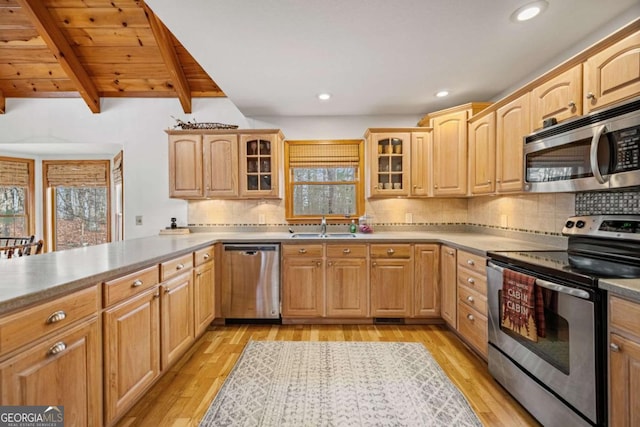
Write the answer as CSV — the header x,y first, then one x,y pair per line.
x,y
131,351
427,281
63,370
624,362
472,300
448,284
176,318
204,294
347,281
391,280
303,280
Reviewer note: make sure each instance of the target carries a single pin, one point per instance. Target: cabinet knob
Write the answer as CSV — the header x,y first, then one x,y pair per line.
x,y
156,295
330,263
198,274
415,186
137,283
374,264
614,347
179,266
470,298
471,280
470,317
489,181
318,264
572,105
435,186
58,347
471,262
450,253
302,251
590,95
346,251
56,317
390,251
167,290
206,256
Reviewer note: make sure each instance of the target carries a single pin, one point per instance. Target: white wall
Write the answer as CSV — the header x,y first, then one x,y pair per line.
x,y
53,128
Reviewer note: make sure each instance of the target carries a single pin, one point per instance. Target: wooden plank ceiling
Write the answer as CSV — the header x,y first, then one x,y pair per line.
x,y
94,49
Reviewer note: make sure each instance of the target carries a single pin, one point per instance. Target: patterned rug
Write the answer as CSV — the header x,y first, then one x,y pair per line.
x,y
285,383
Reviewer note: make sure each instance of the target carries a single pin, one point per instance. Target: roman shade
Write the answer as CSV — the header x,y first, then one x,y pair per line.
x,y
77,174
324,154
14,173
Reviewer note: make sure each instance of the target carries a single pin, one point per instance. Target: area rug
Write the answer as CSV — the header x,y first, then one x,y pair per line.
x,y
285,383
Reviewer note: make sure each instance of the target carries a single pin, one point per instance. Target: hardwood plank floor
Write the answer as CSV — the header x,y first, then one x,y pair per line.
x,y
181,397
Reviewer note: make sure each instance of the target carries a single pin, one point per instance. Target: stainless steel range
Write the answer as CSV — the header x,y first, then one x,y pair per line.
x,y
559,372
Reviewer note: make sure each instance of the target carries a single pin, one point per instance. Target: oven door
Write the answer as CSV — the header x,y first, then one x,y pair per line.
x,y
563,361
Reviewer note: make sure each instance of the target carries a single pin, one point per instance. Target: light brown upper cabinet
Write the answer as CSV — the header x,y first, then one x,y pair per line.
x,y
223,164
559,97
450,148
400,162
512,123
613,73
482,154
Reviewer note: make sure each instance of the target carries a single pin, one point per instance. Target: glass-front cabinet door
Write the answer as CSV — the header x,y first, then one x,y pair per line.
x,y
390,165
259,165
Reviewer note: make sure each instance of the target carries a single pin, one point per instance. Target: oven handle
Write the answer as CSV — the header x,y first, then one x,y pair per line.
x,y
574,292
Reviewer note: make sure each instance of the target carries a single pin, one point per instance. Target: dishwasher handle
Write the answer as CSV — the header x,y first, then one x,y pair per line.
x,y
250,253
251,248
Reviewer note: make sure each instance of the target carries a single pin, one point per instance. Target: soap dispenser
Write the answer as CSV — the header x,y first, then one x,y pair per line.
x,y
352,227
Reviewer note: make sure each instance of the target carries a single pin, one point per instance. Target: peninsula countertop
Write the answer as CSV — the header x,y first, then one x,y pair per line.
x,y
28,280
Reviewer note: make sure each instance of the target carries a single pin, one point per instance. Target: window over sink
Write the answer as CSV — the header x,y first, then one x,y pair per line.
x,y
324,178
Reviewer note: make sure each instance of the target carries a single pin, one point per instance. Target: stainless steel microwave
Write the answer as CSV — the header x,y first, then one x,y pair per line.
x,y
598,151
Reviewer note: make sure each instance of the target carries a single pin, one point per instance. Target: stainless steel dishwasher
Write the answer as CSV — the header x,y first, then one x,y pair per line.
x,y
251,281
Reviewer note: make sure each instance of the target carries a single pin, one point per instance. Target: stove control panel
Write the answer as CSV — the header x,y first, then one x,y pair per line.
x,y
606,226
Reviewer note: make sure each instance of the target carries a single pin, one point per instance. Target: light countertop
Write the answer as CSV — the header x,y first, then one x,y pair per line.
x,y
28,280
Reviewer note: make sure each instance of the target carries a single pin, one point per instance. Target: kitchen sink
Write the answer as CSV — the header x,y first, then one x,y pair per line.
x,y
323,236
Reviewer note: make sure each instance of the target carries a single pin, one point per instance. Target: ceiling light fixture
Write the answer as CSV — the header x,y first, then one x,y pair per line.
x,y
442,93
324,96
529,11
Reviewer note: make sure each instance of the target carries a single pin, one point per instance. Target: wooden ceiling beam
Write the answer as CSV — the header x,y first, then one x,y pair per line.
x,y
170,57
52,35
3,106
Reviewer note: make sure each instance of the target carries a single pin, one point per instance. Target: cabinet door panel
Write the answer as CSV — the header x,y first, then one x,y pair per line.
x,y
204,296
185,166
70,378
512,124
347,288
624,382
221,165
560,98
131,351
176,306
421,149
427,289
450,154
482,155
389,164
448,284
302,287
259,166
391,287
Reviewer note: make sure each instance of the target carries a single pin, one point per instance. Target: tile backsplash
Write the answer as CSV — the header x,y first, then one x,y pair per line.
x,y
609,202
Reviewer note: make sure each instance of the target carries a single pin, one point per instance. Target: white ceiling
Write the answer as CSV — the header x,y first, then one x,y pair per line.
x,y
271,57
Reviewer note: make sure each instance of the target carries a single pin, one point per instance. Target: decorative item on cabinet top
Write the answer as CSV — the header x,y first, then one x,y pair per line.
x,y
204,125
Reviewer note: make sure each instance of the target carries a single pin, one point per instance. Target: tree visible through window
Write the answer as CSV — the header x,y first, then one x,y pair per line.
x,y
16,197
324,179
78,202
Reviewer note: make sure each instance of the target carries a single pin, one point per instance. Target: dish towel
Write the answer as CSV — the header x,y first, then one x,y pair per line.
x,y
522,305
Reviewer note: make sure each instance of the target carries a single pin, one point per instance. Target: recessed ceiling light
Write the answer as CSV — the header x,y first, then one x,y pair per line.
x,y
529,11
324,96
442,93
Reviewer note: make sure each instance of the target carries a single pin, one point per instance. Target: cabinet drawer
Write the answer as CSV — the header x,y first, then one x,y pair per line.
x,y
473,299
302,250
472,279
29,325
123,287
473,327
347,251
203,255
624,315
171,268
473,262
391,251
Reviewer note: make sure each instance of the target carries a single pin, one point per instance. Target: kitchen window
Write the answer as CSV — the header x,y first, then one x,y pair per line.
x,y
77,203
324,178
16,197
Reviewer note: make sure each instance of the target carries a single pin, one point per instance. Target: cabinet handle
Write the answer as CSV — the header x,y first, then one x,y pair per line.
x,y
167,290
390,251
198,274
590,95
450,253
318,264
374,264
498,181
614,347
156,295
572,105
58,347
471,280
179,266
136,283
56,317
470,317
346,251
415,186
435,186
470,298
206,256
488,181
302,251
471,262
330,263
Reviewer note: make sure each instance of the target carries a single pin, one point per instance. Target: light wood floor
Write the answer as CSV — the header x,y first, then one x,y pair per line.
x,y
182,396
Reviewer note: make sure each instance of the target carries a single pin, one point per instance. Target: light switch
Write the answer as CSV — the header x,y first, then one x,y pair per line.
x,y
138,219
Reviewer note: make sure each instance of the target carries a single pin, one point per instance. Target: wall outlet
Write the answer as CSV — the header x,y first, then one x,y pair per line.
x,y
504,220
262,219
408,218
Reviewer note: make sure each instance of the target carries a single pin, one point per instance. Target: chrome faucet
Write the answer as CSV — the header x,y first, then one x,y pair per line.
x,y
323,226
